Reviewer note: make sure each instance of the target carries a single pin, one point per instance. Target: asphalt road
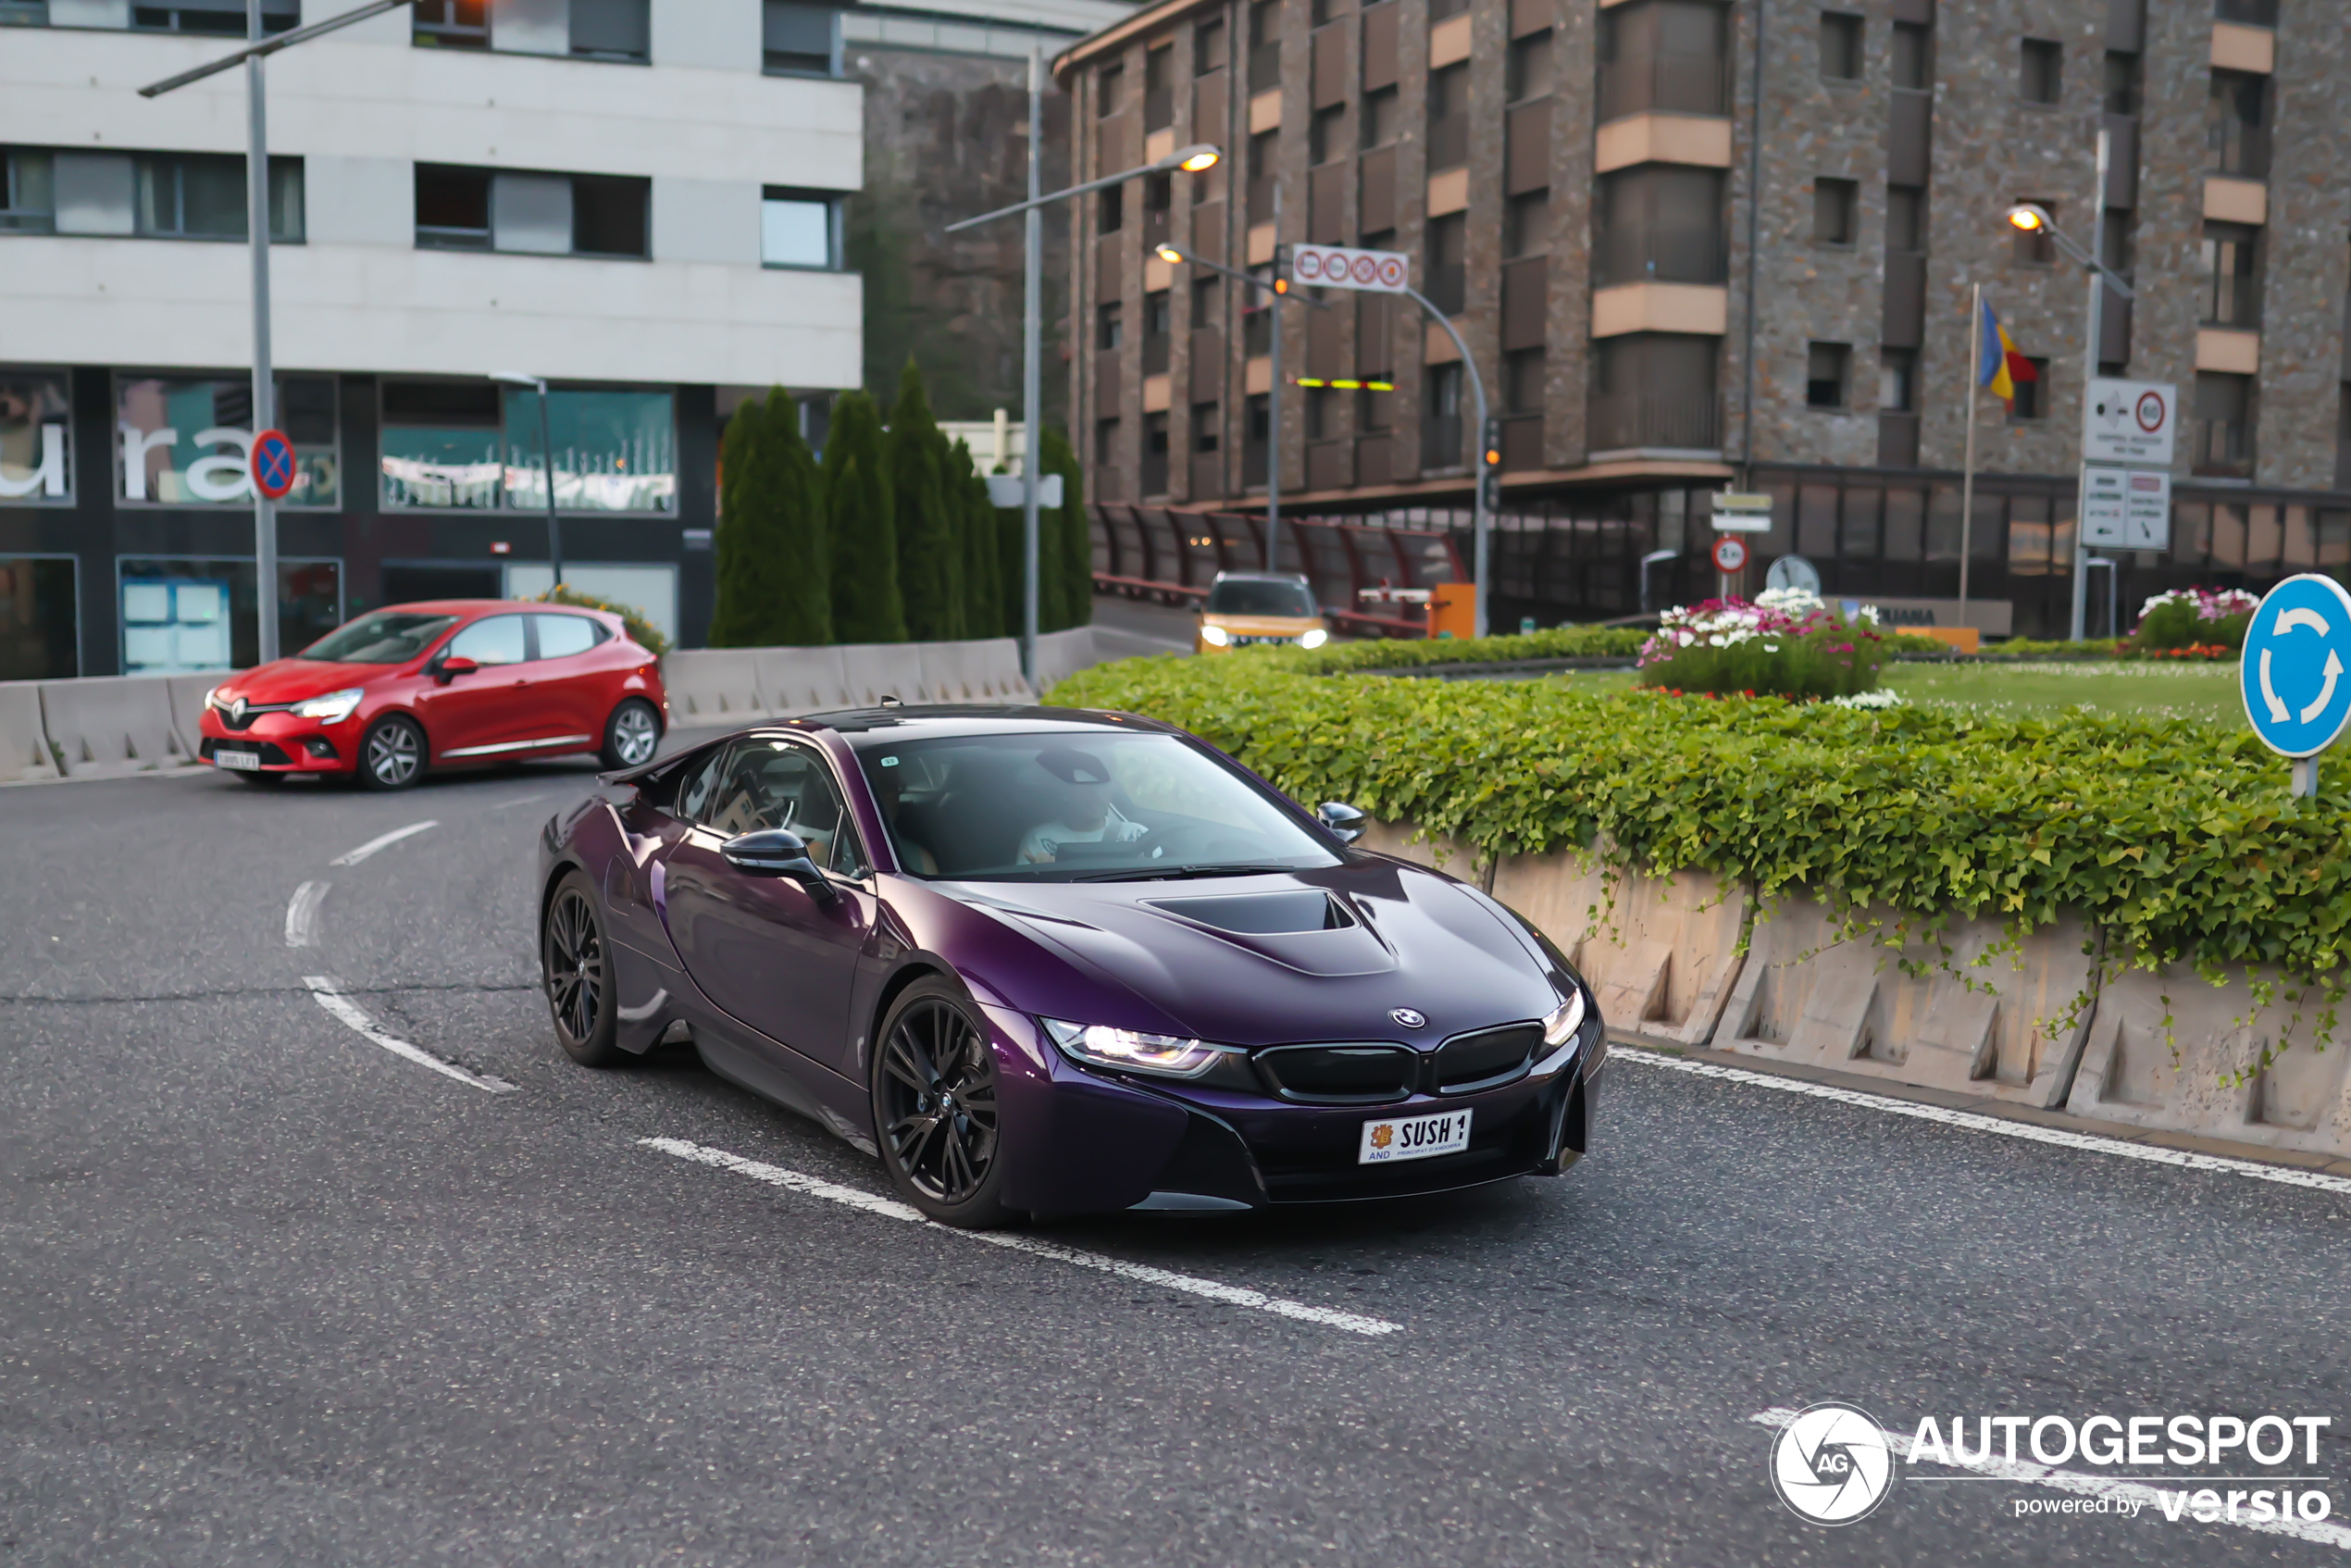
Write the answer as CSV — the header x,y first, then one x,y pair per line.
x,y
271,1293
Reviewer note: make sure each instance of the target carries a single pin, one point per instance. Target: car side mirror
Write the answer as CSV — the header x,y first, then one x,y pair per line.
x,y
1344,822
452,668
777,852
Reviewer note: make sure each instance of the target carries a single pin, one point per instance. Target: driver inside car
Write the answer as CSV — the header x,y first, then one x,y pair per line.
x,y
1085,815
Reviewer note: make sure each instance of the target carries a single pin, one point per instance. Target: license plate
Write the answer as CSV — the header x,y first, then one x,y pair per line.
x,y
1414,1137
244,762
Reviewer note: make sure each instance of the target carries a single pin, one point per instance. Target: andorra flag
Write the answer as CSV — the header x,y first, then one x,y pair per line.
x,y
2003,367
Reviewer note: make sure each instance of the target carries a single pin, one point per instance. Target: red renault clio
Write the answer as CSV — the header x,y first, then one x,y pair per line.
x,y
449,682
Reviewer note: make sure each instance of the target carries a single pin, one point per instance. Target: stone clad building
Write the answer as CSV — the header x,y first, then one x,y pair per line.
x,y
1662,303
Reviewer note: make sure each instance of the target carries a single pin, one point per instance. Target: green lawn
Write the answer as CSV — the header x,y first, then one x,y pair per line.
x,y
2203,691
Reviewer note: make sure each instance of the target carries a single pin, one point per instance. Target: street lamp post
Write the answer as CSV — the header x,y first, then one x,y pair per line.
x,y
2031,217
547,467
265,390
1478,523
1194,159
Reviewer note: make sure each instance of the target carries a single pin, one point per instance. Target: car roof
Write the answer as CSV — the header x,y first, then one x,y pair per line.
x,y
478,606
1260,576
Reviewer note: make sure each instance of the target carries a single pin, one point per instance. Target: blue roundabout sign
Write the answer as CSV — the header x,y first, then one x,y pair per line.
x,y
2296,674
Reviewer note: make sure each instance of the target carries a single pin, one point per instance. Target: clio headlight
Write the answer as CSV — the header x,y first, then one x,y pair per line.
x,y
1130,1051
332,708
1564,1020
213,699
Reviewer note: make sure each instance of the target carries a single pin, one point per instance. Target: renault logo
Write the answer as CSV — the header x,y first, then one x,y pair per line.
x,y
237,709
1407,1018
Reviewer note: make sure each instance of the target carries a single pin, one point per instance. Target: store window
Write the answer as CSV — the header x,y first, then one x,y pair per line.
x,y
475,446
185,441
37,453
798,229
183,614
40,627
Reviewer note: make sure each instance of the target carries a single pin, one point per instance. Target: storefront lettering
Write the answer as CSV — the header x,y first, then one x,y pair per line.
x,y
220,477
49,477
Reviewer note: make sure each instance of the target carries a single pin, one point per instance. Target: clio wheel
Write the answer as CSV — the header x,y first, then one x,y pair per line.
x,y
631,734
392,756
936,1107
579,976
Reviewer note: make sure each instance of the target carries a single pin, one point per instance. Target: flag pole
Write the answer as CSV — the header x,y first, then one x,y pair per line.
x,y
1967,475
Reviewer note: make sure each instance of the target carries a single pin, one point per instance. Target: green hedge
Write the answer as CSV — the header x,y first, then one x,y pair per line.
x,y
2181,842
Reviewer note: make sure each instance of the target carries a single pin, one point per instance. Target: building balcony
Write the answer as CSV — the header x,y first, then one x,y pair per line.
x,y
1665,83
1654,421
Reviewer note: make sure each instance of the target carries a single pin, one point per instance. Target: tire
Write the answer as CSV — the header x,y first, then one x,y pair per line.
x,y
391,754
576,973
631,735
952,1166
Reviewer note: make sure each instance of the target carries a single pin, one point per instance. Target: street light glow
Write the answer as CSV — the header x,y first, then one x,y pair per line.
x,y
1171,255
2028,217
1195,159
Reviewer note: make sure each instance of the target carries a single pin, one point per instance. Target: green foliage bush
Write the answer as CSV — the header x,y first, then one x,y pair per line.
x,y
2176,625
930,562
975,532
1065,543
2181,842
773,585
1761,650
861,526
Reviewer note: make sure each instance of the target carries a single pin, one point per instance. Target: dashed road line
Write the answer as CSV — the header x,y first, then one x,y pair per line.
x,y
889,1208
329,995
2144,1499
383,841
301,914
2285,1176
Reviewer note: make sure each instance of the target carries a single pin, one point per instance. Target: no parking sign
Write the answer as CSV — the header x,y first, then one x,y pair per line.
x,y
1730,554
273,465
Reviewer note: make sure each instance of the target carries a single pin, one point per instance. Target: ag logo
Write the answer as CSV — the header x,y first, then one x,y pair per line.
x,y
1832,1464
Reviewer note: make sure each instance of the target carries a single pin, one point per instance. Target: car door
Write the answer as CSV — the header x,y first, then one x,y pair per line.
x,y
764,950
570,678
485,711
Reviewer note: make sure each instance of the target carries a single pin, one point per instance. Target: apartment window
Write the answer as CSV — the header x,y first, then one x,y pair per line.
x,y
1441,418
223,18
451,24
1913,57
472,445
24,13
1906,218
1105,443
1110,88
1448,117
1898,380
1208,46
202,197
1321,413
1654,390
1835,211
2231,290
1154,454
799,40
2254,13
1658,223
1110,209
2031,393
1264,151
1257,423
1840,47
28,192
1447,261
1526,225
1265,44
2040,70
1159,92
1110,326
1828,369
1380,117
1523,380
1159,322
1527,73
612,29
2236,126
2118,240
2223,432
1205,432
1440,10
1327,134
182,441
1208,301
1666,55
585,214
2035,248
2123,83
798,229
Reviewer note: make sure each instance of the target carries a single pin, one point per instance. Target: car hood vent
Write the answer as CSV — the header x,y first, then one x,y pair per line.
x,y
1263,914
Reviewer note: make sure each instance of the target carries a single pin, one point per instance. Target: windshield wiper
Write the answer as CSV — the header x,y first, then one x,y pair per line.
x,y
1182,872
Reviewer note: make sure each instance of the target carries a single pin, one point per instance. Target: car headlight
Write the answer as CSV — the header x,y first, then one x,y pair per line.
x,y
1568,1017
1214,636
1130,1051
1313,638
332,708
213,699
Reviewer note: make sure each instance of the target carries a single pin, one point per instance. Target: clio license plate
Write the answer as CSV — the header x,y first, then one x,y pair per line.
x,y
244,762
1414,1137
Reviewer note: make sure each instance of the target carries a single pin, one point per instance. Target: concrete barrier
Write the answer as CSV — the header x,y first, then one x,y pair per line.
x,y
712,687
24,742
1661,954
187,704
1060,655
802,680
112,726
984,670
2008,1027
874,670
2203,1075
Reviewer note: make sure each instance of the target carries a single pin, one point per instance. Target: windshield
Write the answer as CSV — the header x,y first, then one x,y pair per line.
x,y
390,637
1061,808
1258,596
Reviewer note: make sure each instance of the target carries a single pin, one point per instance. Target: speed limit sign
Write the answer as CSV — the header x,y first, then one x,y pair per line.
x,y
1730,554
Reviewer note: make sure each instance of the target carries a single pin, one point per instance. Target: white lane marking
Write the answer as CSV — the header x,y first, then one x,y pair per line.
x,y
519,801
352,857
2285,1176
301,914
329,996
2147,1498
889,1208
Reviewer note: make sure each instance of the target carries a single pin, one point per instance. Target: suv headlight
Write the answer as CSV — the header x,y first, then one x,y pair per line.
x,y
1214,636
1313,638
332,708
1129,1050
1561,1025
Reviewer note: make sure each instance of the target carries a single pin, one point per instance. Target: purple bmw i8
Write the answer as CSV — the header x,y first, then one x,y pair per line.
x,y
1049,961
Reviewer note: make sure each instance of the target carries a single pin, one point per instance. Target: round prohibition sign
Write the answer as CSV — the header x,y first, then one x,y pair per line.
x,y
2149,412
273,465
1730,554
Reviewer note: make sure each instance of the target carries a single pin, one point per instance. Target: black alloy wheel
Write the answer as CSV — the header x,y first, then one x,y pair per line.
x,y
391,754
571,949
631,734
935,1105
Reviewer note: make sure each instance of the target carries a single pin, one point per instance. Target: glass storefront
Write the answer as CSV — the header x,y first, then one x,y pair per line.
x,y
185,441
39,618
183,614
475,446
36,437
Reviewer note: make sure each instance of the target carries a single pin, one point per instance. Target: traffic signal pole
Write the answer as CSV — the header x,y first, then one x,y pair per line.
x,y
1488,460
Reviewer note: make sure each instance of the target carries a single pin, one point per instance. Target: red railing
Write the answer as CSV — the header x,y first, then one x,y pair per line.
x,y
1370,578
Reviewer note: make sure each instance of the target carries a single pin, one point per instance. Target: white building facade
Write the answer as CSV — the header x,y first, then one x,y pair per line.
x,y
638,200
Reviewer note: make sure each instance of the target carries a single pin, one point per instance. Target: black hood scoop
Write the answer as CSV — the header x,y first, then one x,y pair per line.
x,y
1263,914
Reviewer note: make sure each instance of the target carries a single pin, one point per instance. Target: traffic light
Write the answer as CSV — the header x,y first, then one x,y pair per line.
x,y
1281,269
1489,466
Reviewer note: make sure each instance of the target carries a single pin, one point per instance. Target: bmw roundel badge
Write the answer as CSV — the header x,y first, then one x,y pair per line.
x,y
1407,1017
